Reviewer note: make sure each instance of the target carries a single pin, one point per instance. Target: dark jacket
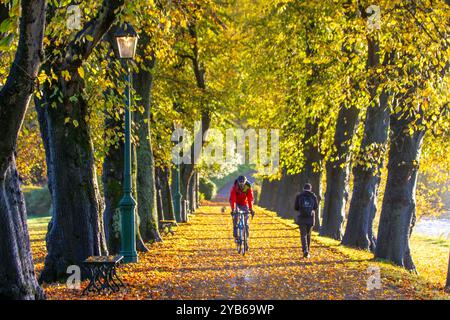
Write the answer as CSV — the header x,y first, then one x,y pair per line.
x,y
306,220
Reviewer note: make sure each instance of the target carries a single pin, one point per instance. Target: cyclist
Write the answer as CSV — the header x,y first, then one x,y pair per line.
x,y
241,197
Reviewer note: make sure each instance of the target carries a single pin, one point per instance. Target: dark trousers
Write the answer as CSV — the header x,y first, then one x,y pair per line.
x,y
305,236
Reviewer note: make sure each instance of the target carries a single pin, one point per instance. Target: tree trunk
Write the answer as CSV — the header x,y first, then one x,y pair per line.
x,y
268,193
264,193
280,194
140,245
187,170
76,229
273,194
197,190
337,167
159,195
112,178
194,192
287,192
146,190
367,167
338,173
17,277
167,195
312,168
191,192
398,212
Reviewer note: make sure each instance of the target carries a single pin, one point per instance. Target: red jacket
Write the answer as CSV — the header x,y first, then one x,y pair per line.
x,y
241,197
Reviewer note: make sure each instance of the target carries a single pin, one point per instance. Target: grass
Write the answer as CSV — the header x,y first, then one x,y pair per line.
x,y
37,200
431,256
37,227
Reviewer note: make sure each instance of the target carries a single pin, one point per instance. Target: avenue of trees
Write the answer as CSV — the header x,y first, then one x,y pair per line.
x,y
360,100
371,98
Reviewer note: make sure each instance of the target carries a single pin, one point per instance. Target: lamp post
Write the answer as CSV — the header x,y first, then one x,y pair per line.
x,y
176,180
126,39
176,193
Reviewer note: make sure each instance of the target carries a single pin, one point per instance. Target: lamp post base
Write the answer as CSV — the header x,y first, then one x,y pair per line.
x,y
129,257
128,235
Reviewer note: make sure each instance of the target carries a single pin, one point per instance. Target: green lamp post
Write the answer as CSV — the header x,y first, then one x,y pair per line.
x,y
126,38
176,193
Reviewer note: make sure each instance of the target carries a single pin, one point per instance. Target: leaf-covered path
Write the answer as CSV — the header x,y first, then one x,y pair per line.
x,y
200,262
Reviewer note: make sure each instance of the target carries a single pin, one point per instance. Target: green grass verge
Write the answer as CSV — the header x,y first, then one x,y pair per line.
x,y
37,200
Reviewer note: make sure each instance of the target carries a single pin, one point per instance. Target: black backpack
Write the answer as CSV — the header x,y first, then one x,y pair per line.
x,y
306,205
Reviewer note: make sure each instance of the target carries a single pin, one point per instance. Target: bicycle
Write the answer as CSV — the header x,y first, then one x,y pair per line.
x,y
242,232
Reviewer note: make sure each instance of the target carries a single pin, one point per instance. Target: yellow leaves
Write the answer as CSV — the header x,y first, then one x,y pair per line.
x,y
66,75
42,77
81,72
74,121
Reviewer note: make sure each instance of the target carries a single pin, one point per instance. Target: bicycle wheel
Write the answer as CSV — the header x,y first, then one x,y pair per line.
x,y
239,239
244,242
239,236
246,232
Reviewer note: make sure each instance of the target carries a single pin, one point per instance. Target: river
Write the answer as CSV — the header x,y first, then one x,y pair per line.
x,y
435,227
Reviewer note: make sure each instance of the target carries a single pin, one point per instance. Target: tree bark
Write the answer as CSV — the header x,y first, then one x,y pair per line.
x,y
338,166
336,193
167,195
17,277
187,170
398,212
367,167
197,190
159,194
140,245
194,192
76,228
289,187
273,194
112,177
312,168
147,205
262,201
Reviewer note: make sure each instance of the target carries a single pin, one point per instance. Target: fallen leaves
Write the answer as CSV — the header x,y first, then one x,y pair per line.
x,y
200,262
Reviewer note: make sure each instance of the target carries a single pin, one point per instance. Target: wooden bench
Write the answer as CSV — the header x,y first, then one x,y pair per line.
x,y
165,226
102,274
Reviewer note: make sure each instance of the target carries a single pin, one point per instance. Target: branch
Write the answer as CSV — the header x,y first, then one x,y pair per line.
x,y
94,29
21,81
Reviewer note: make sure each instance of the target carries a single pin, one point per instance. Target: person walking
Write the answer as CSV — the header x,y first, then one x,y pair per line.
x,y
306,204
